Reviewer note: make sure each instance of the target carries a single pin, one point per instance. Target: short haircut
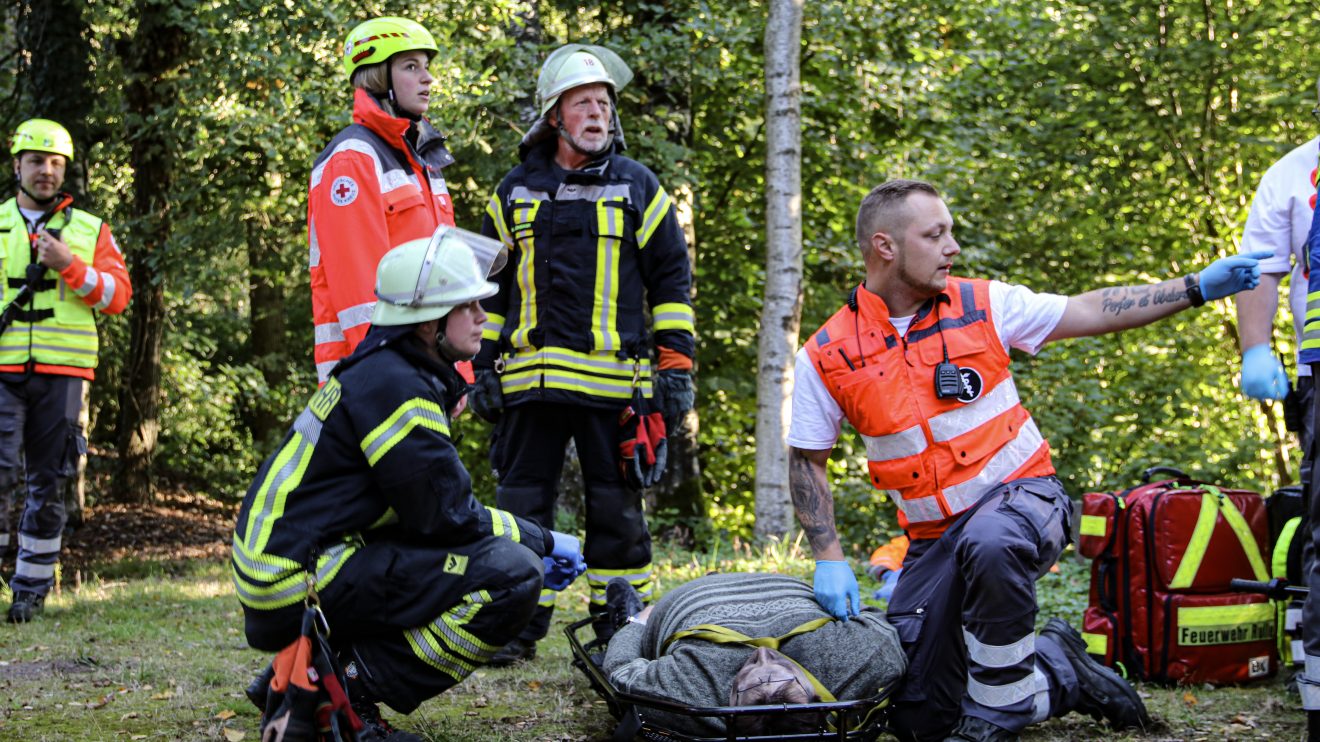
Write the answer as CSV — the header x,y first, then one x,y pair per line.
x,y
882,209
785,692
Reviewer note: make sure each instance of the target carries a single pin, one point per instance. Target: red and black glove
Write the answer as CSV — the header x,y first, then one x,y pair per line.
x,y
643,447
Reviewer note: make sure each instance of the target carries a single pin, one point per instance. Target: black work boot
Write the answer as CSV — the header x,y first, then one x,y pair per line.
x,y
374,726
622,601
518,650
972,729
1103,694
26,606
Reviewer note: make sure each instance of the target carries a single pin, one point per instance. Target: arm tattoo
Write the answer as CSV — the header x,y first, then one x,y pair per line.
x,y
1119,299
813,502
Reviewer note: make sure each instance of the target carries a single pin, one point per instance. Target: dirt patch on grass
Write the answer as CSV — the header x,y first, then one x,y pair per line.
x,y
47,668
177,526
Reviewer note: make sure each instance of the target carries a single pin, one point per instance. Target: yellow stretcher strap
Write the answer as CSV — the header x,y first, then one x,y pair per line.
x,y
717,634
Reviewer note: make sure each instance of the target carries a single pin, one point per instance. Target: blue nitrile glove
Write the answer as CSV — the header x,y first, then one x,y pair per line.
x,y
836,588
1263,376
1227,276
565,562
888,581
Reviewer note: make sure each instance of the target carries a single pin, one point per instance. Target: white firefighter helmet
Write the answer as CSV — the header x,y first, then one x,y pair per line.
x,y
574,65
424,279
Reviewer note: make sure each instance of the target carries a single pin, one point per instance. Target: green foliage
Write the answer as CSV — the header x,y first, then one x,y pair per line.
x,y
1079,143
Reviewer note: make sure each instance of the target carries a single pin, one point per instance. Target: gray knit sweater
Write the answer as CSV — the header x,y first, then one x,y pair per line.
x,y
853,659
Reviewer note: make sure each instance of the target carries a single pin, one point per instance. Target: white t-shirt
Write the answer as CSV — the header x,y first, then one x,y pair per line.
x,y
1279,221
31,215
1022,317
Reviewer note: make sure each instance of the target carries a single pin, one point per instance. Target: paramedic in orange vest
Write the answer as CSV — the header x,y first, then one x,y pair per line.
x,y
378,183
917,361
69,260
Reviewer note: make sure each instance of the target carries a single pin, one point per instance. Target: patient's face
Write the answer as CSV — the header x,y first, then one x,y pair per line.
x,y
770,677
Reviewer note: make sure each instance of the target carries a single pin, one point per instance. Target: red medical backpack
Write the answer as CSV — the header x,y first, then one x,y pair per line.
x,y
1160,606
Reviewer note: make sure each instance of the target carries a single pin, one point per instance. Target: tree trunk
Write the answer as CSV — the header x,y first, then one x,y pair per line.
x,y
158,46
55,72
781,310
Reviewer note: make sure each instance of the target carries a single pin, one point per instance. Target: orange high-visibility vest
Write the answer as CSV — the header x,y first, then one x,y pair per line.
x,y
934,457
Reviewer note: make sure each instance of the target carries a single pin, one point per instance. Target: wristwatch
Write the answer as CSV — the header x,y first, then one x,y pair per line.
x,y
1192,283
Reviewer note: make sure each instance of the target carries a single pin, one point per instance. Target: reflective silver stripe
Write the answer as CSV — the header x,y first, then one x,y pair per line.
x,y
493,325
309,425
580,192
329,332
918,509
1298,649
969,417
323,370
391,435
999,696
356,316
671,317
1292,618
107,294
388,179
608,364
38,545
1309,684
4,539
899,445
35,571
54,330
547,597
1007,460
91,279
54,348
549,377
286,472
523,193
1042,710
115,245
253,567
313,248
438,187
330,562
999,655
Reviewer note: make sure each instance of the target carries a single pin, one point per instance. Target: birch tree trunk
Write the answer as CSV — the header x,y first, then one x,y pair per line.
x,y
781,309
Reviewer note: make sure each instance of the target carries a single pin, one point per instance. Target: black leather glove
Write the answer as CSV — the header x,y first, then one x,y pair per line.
x,y
486,398
673,394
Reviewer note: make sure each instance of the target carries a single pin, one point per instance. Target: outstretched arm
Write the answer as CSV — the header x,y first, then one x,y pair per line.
x,y
1123,307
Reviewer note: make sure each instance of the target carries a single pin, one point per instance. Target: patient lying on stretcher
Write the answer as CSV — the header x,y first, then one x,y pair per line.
x,y
711,642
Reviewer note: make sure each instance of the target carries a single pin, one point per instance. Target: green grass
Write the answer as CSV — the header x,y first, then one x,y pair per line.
x,y
144,651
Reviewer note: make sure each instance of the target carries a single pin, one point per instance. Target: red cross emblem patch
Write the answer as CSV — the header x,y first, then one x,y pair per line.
x,y
343,191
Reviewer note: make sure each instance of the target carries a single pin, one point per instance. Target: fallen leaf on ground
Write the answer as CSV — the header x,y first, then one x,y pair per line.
x,y
234,735
162,696
534,685
226,714
1189,699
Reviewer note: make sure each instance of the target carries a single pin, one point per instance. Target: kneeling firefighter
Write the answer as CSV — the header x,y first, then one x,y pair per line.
x,y
366,511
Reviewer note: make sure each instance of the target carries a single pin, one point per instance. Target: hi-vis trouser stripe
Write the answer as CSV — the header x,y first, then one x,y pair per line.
x,y
410,414
673,316
1308,684
524,213
547,599
266,582
42,549
595,374
655,214
638,577
1311,329
267,575
447,645
503,524
605,300
999,696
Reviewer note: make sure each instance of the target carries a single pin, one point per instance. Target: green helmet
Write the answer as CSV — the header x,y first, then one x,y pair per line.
x,y
42,135
379,39
574,65
423,279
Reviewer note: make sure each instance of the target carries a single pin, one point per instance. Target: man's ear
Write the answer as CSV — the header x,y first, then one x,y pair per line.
x,y
882,245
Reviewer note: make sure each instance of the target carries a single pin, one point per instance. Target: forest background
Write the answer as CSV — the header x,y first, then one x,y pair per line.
x,y
1079,144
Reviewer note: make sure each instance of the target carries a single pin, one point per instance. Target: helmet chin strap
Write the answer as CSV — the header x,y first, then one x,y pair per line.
x,y
44,203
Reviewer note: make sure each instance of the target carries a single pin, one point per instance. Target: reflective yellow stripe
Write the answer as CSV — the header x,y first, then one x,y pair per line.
x,y
446,645
1280,556
1205,526
495,210
524,213
594,374
673,316
1225,624
605,299
1245,537
639,577
1094,525
655,214
1097,644
503,524
493,327
411,414
547,598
